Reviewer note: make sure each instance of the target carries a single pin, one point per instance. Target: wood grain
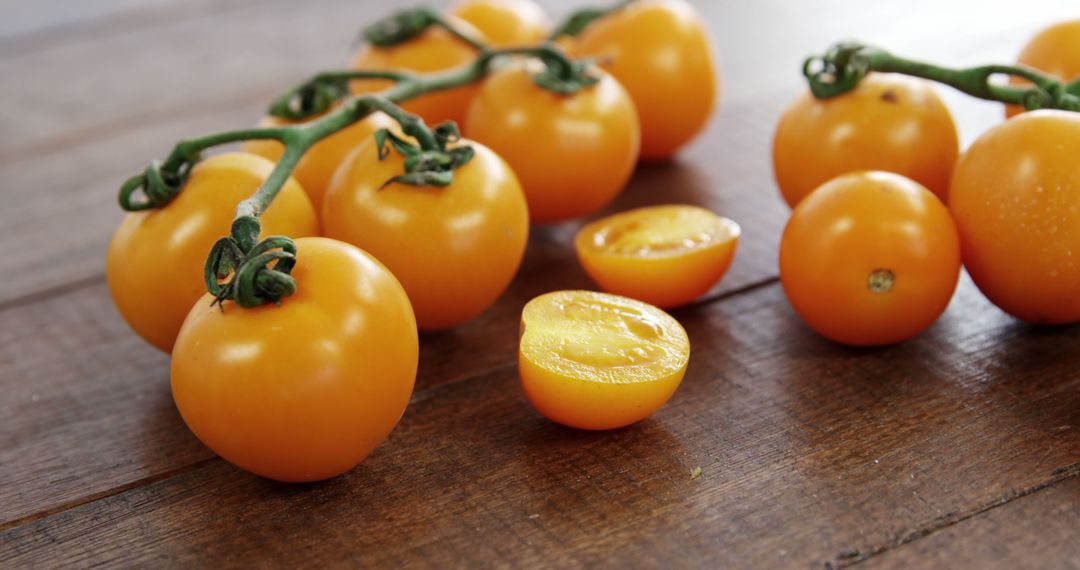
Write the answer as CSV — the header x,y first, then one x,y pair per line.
x,y
810,453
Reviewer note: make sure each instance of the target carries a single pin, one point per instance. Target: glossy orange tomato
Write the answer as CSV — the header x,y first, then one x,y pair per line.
x,y
597,361
1016,199
660,51
663,255
505,22
1055,50
572,153
434,50
306,390
870,258
455,249
888,122
155,260
319,163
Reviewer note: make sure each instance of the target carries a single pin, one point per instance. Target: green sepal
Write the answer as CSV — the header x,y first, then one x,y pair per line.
x,y
557,79
400,27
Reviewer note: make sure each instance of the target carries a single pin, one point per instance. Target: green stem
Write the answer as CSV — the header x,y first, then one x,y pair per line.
x,y
576,22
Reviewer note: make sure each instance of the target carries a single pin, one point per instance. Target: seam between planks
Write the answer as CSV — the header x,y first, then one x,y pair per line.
x,y
849,558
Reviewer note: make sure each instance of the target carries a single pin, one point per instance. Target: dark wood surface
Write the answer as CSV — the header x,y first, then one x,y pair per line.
x,y
957,449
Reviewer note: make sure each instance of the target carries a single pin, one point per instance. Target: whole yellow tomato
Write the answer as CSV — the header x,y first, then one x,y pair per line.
x,y
155,261
888,122
455,249
660,51
319,163
573,153
1016,199
306,390
433,50
1054,50
505,22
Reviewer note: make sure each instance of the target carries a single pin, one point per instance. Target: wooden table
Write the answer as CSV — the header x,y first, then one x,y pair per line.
x,y
957,449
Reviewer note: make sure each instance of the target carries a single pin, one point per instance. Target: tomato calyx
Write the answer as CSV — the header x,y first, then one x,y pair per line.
x,y
577,21
564,76
158,184
432,166
259,275
405,25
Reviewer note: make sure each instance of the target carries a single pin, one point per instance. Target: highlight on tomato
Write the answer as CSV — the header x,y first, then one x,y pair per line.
x,y
1016,199
660,51
505,22
870,258
435,49
455,249
573,153
888,122
319,163
154,263
598,361
306,390
663,255
1054,50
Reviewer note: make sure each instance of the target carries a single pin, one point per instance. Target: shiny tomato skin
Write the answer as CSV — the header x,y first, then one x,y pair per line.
x,y
154,264
597,361
434,50
306,390
317,167
505,22
663,255
1016,199
660,51
870,258
888,122
455,249
572,153
1054,50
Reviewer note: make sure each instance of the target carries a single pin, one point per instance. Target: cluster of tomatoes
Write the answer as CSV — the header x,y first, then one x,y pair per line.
x,y
305,389
886,208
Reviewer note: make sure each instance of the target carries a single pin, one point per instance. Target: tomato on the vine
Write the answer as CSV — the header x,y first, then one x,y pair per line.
x,y
573,153
433,50
1054,50
1016,199
319,163
597,361
306,390
455,249
663,255
659,50
505,22
870,258
888,122
154,265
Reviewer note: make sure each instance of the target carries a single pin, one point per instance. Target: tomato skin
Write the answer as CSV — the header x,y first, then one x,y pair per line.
x,y
455,249
154,265
434,50
660,51
597,361
1054,50
850,230
306,390
317,167
1016,199
888,122
629,254
505,22
572,153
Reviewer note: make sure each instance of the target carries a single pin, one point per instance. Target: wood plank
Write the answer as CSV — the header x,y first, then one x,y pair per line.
x,y
1034,531
44,20
809,452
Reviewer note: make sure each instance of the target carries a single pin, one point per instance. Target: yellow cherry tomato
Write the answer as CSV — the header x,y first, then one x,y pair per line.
x,y
505,22
660,51
663,255
573,153
1054,50
433,50
319,163
888,122
455,249
598,361
155,261
306,390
